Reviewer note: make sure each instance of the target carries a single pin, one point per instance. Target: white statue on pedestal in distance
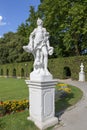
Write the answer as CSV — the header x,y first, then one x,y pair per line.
x,y
40,47
81,73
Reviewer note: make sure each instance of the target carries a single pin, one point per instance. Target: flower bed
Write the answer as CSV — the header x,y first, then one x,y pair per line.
x,y
8,107
63,90
64,87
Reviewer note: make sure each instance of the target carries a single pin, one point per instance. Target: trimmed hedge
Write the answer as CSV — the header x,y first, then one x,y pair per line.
x,y
16,69
59,67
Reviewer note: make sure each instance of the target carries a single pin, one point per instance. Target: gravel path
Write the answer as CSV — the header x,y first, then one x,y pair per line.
x,y
75,118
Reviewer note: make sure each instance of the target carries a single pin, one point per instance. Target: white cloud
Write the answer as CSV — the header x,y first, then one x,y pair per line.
x,y
1,21
1,18
0,36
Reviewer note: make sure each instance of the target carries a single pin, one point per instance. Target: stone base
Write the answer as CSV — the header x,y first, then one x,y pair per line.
x,y
41,78
44,125
41,75
81,76
42,103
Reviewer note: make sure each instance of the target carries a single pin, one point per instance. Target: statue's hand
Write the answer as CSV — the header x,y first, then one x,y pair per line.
x,y
24,47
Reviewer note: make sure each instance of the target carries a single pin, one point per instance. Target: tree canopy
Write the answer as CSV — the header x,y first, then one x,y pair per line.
x,y
66,21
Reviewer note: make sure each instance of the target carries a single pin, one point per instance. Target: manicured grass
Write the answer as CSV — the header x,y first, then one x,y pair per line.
x,y
63,103
17,121
12,88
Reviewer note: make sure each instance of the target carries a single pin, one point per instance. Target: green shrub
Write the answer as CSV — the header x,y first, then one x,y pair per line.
x,y
59,67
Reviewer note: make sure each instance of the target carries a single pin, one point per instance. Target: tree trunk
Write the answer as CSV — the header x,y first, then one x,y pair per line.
x,y
77,49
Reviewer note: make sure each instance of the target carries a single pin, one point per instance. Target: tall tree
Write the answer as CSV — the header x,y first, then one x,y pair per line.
x,y
67,23
76,24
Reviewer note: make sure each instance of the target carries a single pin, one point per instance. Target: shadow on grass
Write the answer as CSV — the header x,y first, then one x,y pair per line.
x,y
62,104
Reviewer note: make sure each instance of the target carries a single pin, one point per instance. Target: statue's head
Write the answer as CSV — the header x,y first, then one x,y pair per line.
x,y
39,22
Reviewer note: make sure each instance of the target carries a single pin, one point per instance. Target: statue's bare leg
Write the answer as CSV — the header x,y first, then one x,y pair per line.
x,y
45,57
37,58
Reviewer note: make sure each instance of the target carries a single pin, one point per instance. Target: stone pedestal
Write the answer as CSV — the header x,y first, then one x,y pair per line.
x,y
81,76
42,103
82,73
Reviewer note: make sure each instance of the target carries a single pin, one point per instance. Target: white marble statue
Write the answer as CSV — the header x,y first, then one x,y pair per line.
x,y
40,47
81,67
41,83
81,73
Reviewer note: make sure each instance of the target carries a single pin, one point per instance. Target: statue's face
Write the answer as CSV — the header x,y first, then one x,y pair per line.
x,y
39,22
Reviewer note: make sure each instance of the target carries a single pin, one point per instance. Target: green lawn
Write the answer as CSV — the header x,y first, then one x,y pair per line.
x,y
11,88
17,121
70,100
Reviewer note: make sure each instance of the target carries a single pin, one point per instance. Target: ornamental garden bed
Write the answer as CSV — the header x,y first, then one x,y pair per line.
x,y
8,107
68,96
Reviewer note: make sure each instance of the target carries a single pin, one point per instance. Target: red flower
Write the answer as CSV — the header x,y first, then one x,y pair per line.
x,y
1,102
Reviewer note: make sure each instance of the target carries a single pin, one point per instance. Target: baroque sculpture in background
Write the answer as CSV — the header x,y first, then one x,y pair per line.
x,y
40,47
81,73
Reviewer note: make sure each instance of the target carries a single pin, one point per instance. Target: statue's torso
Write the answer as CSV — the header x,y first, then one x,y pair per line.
x,y
39,35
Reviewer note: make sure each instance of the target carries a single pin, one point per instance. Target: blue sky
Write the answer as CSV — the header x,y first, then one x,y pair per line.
x,y
13,13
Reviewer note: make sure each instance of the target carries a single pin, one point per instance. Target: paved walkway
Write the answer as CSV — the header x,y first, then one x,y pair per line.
x,y
76,117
